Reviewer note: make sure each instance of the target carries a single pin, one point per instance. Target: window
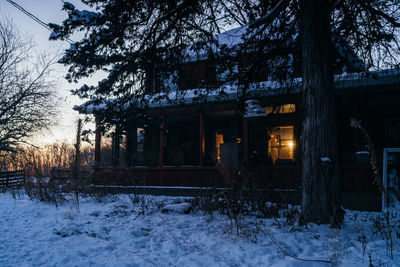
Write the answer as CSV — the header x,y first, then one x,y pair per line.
x,y
140,133
221,135
182,140
219,140
227,147
144,143
281,145
151,143
283,109
106,150
121,161
272,138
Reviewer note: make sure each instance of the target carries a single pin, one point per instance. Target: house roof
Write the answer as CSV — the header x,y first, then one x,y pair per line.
x,y
228,92
237,36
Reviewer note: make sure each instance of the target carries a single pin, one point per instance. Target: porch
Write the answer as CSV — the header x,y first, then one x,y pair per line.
x,y
183,147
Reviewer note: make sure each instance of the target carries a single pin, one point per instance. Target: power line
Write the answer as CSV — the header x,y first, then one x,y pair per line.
x,y
42,23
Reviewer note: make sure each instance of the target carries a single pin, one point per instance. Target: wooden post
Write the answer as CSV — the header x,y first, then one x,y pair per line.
x,y
202,143
297,130
75,170
161,155
245,141
97,144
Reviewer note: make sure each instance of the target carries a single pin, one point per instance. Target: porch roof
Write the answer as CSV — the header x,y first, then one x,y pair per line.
x,y
233,91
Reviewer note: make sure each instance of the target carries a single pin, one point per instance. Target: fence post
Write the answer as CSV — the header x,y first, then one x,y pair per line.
x,y
7,177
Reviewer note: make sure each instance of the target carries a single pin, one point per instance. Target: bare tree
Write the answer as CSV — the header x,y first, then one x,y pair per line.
x,y
27,97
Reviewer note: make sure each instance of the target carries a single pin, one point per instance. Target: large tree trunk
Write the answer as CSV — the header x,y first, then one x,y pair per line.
x,y
320,176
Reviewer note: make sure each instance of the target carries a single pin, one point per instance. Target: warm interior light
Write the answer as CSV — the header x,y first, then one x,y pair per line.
x,y
219,139
281,144
287,108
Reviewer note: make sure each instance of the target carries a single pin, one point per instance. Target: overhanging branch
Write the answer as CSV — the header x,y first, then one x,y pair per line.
x,y
273,14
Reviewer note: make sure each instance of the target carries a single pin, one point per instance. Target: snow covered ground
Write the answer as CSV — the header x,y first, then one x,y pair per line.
x,y
116,232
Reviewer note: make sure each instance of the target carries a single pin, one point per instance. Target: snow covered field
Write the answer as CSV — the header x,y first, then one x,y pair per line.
x,y
116,232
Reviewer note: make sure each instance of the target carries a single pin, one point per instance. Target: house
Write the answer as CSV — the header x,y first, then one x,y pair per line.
x,y
187,132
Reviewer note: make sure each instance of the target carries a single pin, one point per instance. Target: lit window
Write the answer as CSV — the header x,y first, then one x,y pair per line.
x,y
281,145
219,140
140,133
288,108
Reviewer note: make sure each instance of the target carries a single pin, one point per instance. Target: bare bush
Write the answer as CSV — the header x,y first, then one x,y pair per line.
x,y
44,189
40,161
387,226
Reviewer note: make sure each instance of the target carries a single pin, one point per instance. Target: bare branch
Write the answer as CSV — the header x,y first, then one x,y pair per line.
x,y
27,97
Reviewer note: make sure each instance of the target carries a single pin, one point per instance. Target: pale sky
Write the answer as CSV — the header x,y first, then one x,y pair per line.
x,y
49,11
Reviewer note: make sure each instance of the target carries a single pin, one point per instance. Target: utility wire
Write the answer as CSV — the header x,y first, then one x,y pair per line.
x,y
43,24
29,14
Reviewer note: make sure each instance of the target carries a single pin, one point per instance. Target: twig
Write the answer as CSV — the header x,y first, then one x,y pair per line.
x,y
293,256
229,208
139,214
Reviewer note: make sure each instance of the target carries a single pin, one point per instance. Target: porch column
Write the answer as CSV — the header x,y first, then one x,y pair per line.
x,y
245,141
131,142
201,134
115,148
161,152
97,144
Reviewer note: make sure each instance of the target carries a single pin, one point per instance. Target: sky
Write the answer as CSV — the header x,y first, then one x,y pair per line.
x,y
50,11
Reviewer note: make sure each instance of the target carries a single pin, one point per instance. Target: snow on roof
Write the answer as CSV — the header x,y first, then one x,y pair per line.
x,y
232,91
225,93
367,78
254,109
231,38
236,36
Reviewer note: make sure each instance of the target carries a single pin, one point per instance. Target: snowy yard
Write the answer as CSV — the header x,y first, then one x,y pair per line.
x,y
116,232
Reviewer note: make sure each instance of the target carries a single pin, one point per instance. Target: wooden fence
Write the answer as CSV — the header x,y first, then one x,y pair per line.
x,y
11,179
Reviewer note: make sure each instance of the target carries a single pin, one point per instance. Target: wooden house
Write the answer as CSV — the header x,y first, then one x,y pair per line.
x,y
188,132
